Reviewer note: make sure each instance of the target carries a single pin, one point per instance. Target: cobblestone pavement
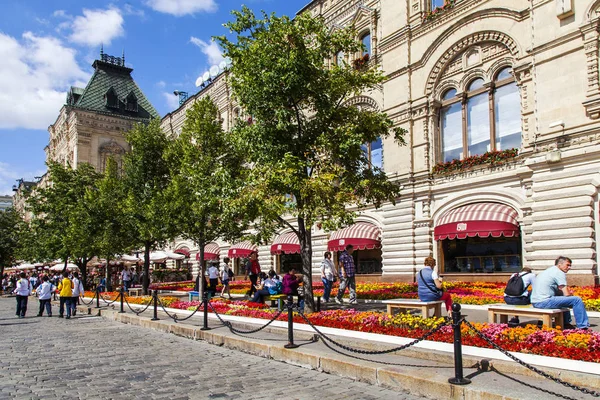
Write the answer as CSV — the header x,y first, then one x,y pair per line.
x,y
92,358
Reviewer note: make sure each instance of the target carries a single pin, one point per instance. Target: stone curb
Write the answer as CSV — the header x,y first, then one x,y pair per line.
x,y
428,383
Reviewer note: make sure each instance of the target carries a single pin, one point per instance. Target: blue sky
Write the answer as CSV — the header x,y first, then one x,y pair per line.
x,y
48,46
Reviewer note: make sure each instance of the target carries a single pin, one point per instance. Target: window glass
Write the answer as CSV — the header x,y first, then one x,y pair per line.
x,y
478,124
451,127
436,3
504,74
507,107
339,58
366,41
476,84
377,153
449,94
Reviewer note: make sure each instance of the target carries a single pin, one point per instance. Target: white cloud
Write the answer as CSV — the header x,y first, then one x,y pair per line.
x,y
128,9
9,175
182,7
161,84
97,26
35,74
212,50
60,14
171,100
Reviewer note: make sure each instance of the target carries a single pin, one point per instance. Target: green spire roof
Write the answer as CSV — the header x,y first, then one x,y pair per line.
x,y
112,91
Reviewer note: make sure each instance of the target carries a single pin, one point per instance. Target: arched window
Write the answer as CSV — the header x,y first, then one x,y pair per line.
x,y
486,118
339,58
366,41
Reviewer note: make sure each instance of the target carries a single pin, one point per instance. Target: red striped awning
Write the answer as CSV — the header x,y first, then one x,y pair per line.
x,y
212,251
184,250
242,249
287,243
478,219
361,235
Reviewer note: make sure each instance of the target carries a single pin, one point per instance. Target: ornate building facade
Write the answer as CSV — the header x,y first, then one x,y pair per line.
x,y
90,126
501,103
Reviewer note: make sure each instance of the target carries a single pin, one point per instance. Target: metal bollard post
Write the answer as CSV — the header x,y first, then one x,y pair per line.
x,y
458,363
290,305
205,301
97,297
122,296
155,298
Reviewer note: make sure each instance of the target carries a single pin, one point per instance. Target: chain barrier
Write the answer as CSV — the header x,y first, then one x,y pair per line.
x,y
531,367
372,352
136,312
90,302
174,317
562,396
234,330
106,301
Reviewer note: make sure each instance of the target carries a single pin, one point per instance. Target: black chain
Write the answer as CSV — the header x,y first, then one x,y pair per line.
x,y
531,367
234,330
106,301
136,312
374,352
174,317
530,385
91,301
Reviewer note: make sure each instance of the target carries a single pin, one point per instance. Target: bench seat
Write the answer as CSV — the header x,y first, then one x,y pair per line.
x,y
410,304
280,298
135,291
503,311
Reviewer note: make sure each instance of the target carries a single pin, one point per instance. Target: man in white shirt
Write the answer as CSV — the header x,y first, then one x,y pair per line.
x,y
126,277
23,290
213,278
77,291
44,293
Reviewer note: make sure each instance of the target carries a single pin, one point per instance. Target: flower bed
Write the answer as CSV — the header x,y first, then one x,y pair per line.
x,y
573,344
478,293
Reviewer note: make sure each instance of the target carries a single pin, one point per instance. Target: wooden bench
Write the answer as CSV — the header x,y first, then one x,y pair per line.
x,y
411,304
545,314
135,291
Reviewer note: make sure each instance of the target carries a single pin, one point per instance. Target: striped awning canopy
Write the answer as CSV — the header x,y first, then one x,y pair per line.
x,y
478,219
242,249
361,235
212,251
184,250
286,243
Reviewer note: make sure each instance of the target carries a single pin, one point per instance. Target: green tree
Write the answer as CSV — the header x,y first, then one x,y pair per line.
x,y
114,230
146,176
9,238
62,225
305,139
206,179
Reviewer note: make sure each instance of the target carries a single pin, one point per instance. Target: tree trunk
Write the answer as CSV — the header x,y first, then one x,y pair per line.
x,y
109,287
146,280
82,264
306,254
202,269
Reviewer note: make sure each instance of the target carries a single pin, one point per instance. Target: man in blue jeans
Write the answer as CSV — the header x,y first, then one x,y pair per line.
x,y
547,285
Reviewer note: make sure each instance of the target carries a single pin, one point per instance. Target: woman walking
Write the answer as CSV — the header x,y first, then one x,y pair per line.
x,y
225,276
328,275
23,290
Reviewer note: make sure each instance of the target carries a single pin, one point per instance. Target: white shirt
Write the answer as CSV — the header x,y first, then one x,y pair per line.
x,y
328,269
224,273
213,272
45,291
23,287
77,287
125,275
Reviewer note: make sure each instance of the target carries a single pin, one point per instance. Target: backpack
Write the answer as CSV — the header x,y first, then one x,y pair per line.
x,y
515,285
277,288
230,273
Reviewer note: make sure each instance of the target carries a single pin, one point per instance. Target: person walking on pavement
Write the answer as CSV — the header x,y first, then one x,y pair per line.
x,y
65,288
225,269
253,269
126,278
77,291
23,290
545,293
328,275
348,278
44,294
213,278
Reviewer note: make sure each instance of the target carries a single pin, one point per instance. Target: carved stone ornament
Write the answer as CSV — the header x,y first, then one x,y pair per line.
x,y
111,147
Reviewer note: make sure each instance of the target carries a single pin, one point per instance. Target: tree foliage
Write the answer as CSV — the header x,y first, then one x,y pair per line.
x,y
62,224
206,179
9,238
146,176
306,137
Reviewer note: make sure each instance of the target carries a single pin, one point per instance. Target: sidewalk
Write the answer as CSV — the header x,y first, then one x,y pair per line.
x,y
418,371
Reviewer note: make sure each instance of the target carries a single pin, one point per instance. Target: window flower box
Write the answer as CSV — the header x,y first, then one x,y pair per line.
x,y
491,158
432,14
